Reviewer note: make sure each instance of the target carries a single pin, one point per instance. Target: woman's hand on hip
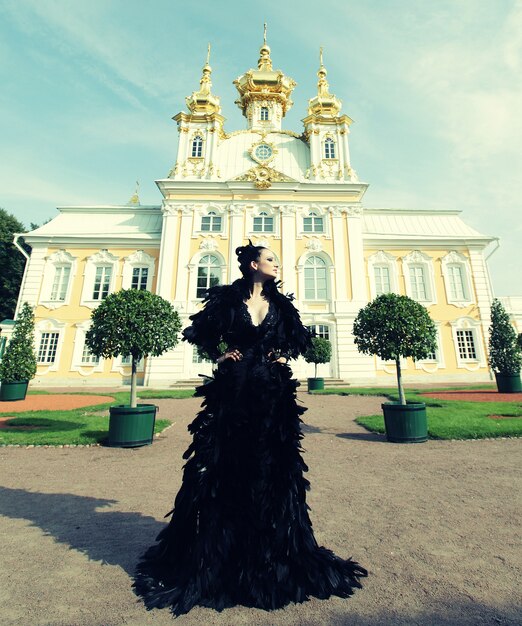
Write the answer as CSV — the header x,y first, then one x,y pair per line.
x,y
235,355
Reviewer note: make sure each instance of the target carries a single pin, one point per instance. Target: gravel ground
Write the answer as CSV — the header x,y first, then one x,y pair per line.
x,y
436,524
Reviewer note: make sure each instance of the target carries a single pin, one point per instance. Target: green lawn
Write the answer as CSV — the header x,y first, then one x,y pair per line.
x,y
75,427
449,419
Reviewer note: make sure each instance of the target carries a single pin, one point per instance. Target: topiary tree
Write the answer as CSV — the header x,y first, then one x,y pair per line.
x,y
136,323
19,359
393,327
505,356
319,351
519,341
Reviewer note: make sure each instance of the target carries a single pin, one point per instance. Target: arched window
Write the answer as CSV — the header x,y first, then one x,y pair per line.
x,y
208,274
197,146
264,114
211,222
315,279
263,223
313,223
329,148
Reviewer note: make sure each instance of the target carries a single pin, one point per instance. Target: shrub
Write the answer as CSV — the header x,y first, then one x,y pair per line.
x,y
19,359
320,351
505,355
392,327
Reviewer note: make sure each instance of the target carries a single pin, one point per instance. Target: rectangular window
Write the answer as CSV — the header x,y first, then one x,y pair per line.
x,y
456,281
211,223
418,283
263,224
60,283
315,283
382,279
139,277
320,330
264,114
48,347
466,345
102,282
88,358
197,358
313,224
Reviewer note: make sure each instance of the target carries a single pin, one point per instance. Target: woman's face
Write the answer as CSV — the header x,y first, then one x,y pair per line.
x,y
266,266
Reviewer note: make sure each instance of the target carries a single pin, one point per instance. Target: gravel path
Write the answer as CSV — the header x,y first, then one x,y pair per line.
x,y
436,524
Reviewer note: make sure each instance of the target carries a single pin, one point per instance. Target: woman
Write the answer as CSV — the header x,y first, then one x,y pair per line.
x,y
240,531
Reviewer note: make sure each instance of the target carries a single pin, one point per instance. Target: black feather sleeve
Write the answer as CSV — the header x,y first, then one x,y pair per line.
x,y
207,326
293,337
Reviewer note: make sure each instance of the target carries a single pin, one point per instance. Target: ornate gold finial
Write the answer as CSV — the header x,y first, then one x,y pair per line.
x,y
135,198
324,102
265,62
203,101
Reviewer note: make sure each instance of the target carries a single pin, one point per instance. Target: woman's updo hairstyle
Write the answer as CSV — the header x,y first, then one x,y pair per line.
x,y
245,256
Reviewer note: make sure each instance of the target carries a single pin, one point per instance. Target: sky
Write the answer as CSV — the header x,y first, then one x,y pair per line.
x,y
88,90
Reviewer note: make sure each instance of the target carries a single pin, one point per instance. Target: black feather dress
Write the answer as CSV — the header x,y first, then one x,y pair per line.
x,y
240,531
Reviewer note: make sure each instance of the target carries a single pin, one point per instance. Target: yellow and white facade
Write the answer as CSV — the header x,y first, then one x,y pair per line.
x,y
296,193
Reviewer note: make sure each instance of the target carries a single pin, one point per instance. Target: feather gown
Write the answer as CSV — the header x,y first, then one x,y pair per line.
x,y
240,532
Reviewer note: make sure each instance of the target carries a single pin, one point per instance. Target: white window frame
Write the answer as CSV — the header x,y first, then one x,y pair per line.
x,y
202,211
320,211
138,259
124,368
84,369
416,258
256,211
473,325
49,325
432,365
332,149
451,260
301,274
262,110
314,329
57,260
193,273
198,147
101,258
382,259
314,217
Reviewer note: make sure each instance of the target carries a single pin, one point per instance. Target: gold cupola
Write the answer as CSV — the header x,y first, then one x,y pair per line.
x,y
203,101
324,103
264,94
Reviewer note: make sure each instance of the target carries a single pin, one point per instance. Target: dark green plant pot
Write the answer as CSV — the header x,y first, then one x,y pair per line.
x,y
13,391
508,383
405,423
315,383
131,427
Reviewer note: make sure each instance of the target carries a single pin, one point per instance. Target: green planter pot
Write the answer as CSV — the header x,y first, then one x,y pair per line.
x,y
14,391
508,383
315,383
405,423
131,427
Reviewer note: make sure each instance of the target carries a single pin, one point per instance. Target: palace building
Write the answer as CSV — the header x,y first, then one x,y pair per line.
x,y
294,192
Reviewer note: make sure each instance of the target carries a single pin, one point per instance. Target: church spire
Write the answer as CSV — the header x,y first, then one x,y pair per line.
x,y
203,101
324,103
264,93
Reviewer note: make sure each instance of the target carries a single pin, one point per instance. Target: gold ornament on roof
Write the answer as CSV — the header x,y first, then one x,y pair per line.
x,y
203,101
135,198
324,103
265,83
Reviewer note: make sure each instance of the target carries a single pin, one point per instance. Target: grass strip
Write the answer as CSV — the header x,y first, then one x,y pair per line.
x,y
448,419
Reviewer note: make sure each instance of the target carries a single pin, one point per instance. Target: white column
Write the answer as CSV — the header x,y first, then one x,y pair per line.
x,y
339,254
356,253
165,284
483,291
185,232
288,239
236,230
